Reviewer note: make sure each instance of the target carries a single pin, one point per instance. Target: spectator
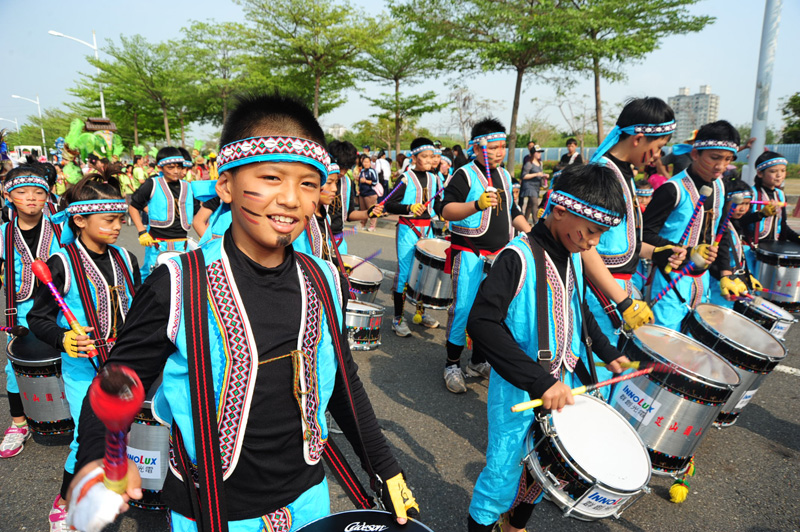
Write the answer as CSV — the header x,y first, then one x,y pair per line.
x,y
384,170
533,177
527,157
572,156
367,196
459,159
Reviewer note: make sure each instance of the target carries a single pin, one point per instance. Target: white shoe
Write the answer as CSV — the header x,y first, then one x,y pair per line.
x,y
428,321
58,517
479,370
14,440
454,379
400,327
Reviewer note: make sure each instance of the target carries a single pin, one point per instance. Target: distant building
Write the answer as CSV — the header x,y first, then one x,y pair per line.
x,y
337,131
693,110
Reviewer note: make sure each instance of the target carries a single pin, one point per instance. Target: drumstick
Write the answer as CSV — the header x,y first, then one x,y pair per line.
x,y
42,272
769,291
736,200
116,396
696,260
705,191
389,195
369,258
777,204
527,405
17,330
484,146
433,198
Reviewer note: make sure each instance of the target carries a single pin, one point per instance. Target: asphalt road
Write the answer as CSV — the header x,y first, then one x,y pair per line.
x,y
748,476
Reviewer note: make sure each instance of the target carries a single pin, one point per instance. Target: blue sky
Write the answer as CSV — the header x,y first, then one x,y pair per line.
x,y
724,55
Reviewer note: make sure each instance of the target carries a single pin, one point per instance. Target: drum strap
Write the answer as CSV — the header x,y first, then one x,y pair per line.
x,y
338,256
608,308
11,284
117,256
319,284
404,221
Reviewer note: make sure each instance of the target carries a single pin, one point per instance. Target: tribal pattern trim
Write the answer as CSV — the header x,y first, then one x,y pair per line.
x,y
486,213
630,220
278,521
771,162
562,317
175,159
257,149
97,207
711,144
425,147
697,226
26,181
593,213
175,303
161,183
333,168
315,237
490,137
655,130
738,249
526,493
644,192
765,225
26,276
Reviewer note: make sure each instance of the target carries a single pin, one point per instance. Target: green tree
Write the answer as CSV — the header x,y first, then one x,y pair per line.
x,y
318,40
492,35
744,134
610,33
54,121
791,114
404,110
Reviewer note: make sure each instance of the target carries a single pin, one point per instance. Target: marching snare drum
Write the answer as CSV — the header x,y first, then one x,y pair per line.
x,y
671,410
363,321
148,448
752,350
362,521
581,477
779,270
428,283
769,315
365,279
37,367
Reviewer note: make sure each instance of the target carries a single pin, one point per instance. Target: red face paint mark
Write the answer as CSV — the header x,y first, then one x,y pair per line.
x,y
249,194
250,216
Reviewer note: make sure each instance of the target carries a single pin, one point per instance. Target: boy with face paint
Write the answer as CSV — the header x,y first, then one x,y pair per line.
x,y
419,185
505,325
273,351
671,213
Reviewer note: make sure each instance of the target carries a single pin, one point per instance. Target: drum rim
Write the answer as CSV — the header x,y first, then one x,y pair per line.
x,y
424,526
29,363
763,247
378,308
789,318
733,343
426,253
680,369
362,262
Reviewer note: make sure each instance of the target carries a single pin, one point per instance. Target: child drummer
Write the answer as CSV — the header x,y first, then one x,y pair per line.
x,y
769,223
534,273
265,301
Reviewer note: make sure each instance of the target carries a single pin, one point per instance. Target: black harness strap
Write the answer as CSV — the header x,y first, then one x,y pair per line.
x,y
117,256
608,307
11,283
346,476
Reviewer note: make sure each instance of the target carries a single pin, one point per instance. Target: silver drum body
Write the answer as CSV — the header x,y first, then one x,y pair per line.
x,y
363,321
749,347
37,367
365,277
672,407
148,448
767,314
428,283
779,270
580,477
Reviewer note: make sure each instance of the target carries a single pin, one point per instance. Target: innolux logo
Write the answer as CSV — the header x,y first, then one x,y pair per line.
x,y
596,497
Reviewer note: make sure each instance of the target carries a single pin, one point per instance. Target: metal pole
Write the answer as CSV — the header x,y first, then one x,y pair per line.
x,y
41,124
766,60
97,57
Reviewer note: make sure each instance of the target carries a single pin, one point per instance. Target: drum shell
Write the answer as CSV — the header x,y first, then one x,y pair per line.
x,y
365,290
363,322
777,325
37,367
427,282
147,440
779,270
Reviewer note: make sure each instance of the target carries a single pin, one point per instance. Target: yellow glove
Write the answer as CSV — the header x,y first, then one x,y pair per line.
x,y
376,211
730,288
417,209
146,240
636,314
757,287
484,202
70,343
769,210
398,499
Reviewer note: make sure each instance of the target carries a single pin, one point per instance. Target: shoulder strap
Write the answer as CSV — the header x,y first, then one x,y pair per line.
x,y
87,299
117,256
11,284
213,516
544,355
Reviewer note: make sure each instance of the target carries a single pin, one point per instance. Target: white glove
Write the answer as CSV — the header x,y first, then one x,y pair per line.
x,y
97,508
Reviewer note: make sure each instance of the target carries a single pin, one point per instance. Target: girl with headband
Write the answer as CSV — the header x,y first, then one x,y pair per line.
x,y
770,221
98,281
28,236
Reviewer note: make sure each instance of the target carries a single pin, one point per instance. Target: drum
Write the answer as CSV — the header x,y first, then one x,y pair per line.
x,y
427,282
363,321
769,315
569,457
365,279
37,367
362,521
148,448
752,350
672,410
779,270
164,256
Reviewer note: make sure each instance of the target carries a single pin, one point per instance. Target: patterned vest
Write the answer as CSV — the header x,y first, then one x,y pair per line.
x,y
617,246
765,225
161,207
477,224
687,197
414,191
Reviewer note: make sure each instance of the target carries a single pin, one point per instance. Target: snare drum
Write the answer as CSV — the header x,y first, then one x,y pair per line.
x,y
769,315
362,521
779,270
672,411
148,448
37,367
439,228
581,477
752,350
427,282
365,280
363,321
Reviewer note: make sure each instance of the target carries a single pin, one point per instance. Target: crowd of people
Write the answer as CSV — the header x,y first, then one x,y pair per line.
x,y
540,292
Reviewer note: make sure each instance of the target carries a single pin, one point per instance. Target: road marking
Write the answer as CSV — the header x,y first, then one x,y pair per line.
x,y
788,369
387,273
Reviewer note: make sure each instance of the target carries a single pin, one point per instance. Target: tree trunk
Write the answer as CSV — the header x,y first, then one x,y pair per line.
x,y
598,104
396,117
183,131
135,128
166,124
224,108
512,130
316,96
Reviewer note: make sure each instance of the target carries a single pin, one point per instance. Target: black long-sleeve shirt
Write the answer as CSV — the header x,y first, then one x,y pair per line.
x,y
787,233
395,206
44,313
663,203
496,235
271,470
141,198
486,325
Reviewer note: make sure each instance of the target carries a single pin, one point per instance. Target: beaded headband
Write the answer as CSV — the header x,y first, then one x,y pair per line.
x,y
490,137
648,130
746,194
711,144
26,181
85,208
187,163
447,159
593,213
771,162
333,168
275,149
171,160
437,151
424,147
644,192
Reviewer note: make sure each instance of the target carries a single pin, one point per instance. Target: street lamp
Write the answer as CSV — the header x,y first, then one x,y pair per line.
x,y
12,121
41,124
96,56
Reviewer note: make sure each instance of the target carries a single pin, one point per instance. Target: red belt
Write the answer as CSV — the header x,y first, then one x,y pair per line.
x,y
482,252
622,276
419,222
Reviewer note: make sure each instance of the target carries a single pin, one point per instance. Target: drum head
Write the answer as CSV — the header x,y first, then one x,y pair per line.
x,y
362,307
30,351
164,256
692,357
435,247
773,247
362,520
742,331
366,272
589,429
771,308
